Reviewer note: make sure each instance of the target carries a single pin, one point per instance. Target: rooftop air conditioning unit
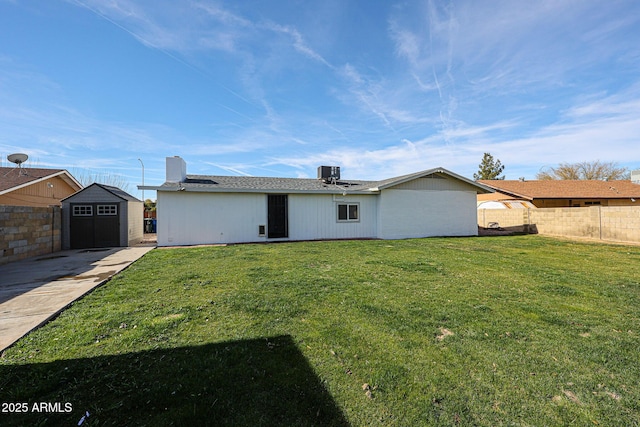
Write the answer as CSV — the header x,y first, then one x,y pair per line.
x,y
329,173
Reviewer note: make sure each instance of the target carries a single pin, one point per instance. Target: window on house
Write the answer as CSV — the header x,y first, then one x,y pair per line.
x,y
82,210
591,203
348,212
107,209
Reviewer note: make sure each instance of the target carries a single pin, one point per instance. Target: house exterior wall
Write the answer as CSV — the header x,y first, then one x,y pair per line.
x,y
210,218
562,203
410,213
437,182
567,203
313,217
621,202
205,218
39,194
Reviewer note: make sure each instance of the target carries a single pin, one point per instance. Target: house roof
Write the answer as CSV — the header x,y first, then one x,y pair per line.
x,y
113,190
565,189
215,183
13,178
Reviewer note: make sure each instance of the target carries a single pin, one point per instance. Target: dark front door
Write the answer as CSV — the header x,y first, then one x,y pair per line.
x,y
95,225
277,216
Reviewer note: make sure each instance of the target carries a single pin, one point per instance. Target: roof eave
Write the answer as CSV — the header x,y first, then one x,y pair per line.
x,y
70,179
174,189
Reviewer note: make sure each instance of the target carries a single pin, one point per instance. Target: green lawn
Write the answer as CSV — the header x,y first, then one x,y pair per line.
x,y
520,330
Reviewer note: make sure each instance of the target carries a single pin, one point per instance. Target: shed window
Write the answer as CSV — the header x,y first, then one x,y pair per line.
x,y
348,212
107,209
83,210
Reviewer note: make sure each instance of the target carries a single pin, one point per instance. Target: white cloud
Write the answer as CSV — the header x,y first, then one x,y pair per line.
x,y
602,128
298,42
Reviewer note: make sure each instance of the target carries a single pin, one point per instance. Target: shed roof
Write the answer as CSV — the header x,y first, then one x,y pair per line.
x,y
113,190
566,189
215,183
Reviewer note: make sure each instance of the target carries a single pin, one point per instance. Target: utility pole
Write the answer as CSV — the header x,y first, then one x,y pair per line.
x,y
140,160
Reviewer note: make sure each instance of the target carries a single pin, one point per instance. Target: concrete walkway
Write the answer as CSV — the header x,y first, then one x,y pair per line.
x,y
35,290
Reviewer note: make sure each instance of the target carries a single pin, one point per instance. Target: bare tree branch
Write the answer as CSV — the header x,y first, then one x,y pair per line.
x,y
595,170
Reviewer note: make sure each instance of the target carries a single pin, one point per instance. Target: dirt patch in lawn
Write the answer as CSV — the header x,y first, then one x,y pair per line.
x,y
444,332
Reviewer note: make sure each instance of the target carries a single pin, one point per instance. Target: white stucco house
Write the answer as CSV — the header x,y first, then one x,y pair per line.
x,y
206,209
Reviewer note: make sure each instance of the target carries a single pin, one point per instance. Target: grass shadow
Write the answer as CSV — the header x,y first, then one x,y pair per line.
x,y
265,381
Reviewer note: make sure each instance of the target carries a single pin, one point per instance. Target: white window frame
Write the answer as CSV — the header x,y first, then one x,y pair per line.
x,y
82,210
107,210
349,206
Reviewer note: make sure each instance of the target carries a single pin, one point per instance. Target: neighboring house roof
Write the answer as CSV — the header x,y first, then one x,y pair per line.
x,y
565,189
14,178
113,190
211,183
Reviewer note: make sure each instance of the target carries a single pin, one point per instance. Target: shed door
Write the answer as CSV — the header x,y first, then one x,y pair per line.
x,y
277,216
95,225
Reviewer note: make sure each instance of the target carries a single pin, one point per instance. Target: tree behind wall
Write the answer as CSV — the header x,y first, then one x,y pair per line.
x,y
596,170
87,178
489,168
149,208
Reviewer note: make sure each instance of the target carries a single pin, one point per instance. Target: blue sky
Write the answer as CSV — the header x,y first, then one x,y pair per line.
x,y
277,88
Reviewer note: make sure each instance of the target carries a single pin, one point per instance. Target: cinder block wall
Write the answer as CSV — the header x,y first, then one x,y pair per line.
x,y
621,223
617,223
504,217
28,231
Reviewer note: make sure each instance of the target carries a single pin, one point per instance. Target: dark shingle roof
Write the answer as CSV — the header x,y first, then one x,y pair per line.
x,y
264,184
215,183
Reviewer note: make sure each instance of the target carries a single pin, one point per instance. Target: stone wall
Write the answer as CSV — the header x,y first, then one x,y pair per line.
x,y
28,231
613,223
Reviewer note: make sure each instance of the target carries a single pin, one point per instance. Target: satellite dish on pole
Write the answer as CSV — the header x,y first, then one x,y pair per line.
x,y
18,159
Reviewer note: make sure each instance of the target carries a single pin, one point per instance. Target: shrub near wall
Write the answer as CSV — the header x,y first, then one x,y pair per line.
x,y
614,223
28,231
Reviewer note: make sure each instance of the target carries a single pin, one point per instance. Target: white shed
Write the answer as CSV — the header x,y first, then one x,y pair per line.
x,y
206,209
